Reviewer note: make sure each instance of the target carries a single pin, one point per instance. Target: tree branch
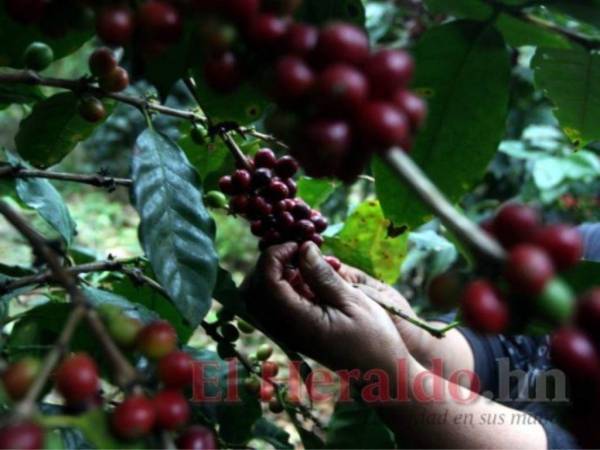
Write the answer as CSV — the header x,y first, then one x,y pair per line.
x,y
94,180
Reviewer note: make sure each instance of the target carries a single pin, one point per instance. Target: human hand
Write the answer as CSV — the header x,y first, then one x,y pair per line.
x,y
340,327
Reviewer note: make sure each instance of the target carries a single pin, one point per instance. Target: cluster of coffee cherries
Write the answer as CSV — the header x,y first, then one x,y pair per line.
x,y
529,290
77,380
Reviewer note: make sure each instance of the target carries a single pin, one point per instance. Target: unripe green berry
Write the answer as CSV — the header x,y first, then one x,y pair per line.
x,y
215,199
264,352
556,302
38,56
245,327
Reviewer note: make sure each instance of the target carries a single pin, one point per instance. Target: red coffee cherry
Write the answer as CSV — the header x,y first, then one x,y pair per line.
x,y
267,391
286,167
160,22
294,78
22,436
258,207
301,210
77,378
515,224
102,62
277,190
341,88
91,109
320,223
19,376
239,204
241,10
115,25
483,307
176,369
241,181
223,72
292,187
269,369
262,177
25,11
304,229
342,42
301,39
134,418
412,105
225,185
575,354
563,244
389,70
265,158
115,81
383,124
172,410
327,141
528,269
588,313
266,31
157,339
197,437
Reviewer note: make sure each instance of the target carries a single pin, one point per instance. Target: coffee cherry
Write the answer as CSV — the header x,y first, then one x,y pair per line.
x,y
172,410
258,207
286,167
275,406
77,378
225,185
245,327
223,72
333,262
413,106
241,181
25,12
22,436
264,352
134,418
252,385
588,313
292,187
265,158
115,81
115,25
215,199
102,62
320,223
342,42
304,229
267,391
293,78
239,204
38,56
229,332
91,109
327,141
157,339
317,239
176,370
19,376
483,308
266,31
160,22
301,210
515,224
269,369
528,269
277,190
241,10
389,70
301,39
563,244
197,437
341,88
281,7
257,228
284,205
261,178
575,354
556,301
383,124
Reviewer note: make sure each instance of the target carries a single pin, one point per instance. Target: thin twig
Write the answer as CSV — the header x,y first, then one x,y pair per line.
x,y
94,180
235,150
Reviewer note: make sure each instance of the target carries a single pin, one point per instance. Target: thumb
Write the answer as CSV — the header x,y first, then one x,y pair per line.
x,y
320,276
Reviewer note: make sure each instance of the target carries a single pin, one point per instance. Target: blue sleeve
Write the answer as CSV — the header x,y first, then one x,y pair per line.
x,y
590,232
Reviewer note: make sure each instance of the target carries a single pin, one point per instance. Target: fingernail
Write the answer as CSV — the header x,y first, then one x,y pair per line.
x,y
313,254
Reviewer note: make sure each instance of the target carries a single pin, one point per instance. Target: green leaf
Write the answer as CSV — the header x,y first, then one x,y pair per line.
x,y
363,242
583,276
315,191
472,9
322,11
41,195
583,10
272,434
99,297
468,102
519,33
571,79
176,231
52,130
356,425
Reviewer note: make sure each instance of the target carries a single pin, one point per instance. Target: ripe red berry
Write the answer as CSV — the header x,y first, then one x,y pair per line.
x,y
483,308
320,223
265,158
91,109
285,221
257,228
588,313
301,39
116,81
157,339
172,409
267,391
22,436
25,11
341,88
317,239
284,205
304,229
563,244
269,369
223,72
389,70
77,378
515,224
326,143
528,269
115,25
258,207
277,190
294,78
266,31
574,353
225,185
134,418
241,10
19,376
412,105
301,210
239,204
262,177
102,62
160,22
197,437
176,369
383,125
241,181
342,42
333,262
286,167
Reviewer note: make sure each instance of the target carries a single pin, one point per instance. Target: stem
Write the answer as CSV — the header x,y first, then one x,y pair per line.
x,y
94,180
235,150
465,230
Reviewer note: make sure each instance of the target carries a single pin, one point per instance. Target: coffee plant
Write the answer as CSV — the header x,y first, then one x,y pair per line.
x,y
446,143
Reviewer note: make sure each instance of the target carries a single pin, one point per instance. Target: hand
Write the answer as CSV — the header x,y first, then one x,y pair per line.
x,y
340,327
